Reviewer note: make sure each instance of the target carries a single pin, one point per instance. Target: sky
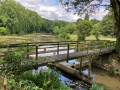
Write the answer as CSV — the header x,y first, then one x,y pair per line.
x,y
53,10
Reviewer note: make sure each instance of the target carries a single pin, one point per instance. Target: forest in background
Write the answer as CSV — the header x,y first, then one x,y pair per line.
x,y
16,19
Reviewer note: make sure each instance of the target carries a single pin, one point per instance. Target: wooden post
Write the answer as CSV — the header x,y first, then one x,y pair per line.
x,y
84,45
87,48
80,68
77,46
44,50
109,46
37,52
54,53
90,61
58,49
100,49
5,83
27,51
68,48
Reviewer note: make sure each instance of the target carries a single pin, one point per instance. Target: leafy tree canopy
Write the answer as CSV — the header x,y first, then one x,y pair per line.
x,y
84,28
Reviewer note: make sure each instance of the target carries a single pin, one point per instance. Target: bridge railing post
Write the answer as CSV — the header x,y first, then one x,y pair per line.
x,y
80,68
68,48
109,45
87,48
27,51
58,48
37,52
77,46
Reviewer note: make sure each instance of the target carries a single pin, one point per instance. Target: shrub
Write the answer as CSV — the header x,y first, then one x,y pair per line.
x,y
12,63
112,71
97,87
48,80
3,31
67,36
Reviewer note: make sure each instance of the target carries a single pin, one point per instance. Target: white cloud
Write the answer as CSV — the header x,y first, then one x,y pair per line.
x,y
51,9
99,14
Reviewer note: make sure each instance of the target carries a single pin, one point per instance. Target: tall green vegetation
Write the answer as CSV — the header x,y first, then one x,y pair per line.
x,y
86,17
107,25
84,28
96,31
20,20
94,21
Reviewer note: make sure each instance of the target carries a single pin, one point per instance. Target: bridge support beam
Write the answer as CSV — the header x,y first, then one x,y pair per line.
x,y
80,69
90,64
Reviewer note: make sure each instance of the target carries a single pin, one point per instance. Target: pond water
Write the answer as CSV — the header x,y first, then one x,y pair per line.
x,y
99,76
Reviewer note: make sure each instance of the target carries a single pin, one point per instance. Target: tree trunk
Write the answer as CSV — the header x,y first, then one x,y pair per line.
x,y
115,4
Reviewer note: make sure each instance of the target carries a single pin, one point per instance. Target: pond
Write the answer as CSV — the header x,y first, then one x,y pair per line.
x,y
99,76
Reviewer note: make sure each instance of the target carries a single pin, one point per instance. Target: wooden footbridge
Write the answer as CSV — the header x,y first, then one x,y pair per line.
x,y
62,50
59,51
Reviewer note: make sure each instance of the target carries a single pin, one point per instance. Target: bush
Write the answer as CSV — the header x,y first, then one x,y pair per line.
x,y
12,63
112,71
67,36
97,87
3,31
48,80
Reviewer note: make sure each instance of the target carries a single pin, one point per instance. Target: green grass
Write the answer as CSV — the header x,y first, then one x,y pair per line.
x,y
36,37
92,37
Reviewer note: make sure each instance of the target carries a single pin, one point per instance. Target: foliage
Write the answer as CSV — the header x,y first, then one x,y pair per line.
x,y
19,20
112,71
96,87
94,21
84,29
3,31
46,79
20,84
95,31
78,20
86,17
107,25
12,63
67,36
70,28
56,30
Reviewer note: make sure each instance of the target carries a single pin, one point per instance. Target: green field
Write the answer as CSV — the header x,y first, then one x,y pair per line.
x,y
92,37
38,37
12,39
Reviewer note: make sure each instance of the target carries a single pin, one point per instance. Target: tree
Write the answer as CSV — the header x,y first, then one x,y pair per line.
x,y
78,20
90,6
70,28
107,27
94,21
95,31
56,30
84,28
86,17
